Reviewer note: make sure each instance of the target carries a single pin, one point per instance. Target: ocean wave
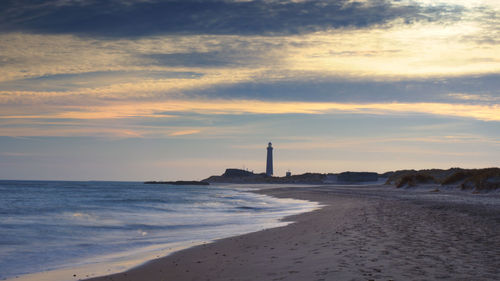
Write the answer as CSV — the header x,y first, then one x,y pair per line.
x,y
49,221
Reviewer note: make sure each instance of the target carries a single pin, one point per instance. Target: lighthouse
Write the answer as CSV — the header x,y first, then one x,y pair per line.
x,y
269,165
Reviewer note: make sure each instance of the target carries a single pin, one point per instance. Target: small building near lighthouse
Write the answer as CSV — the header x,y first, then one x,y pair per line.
x,y
269,164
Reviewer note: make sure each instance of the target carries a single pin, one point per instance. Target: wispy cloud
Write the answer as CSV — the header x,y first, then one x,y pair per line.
x,y
469,97
374,143
122,116
184,132
162,109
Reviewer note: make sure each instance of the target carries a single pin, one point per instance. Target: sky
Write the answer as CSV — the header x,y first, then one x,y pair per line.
x,y
183,89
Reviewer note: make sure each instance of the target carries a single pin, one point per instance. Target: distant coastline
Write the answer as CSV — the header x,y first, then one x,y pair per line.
x,y
178,182
486,179
247,177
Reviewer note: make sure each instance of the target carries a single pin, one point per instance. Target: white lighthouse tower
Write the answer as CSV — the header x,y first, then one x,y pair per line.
x,y
269,165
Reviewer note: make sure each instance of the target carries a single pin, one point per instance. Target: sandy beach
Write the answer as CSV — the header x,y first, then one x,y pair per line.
x,y
361,233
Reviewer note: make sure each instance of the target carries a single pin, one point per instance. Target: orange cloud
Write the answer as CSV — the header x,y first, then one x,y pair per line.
x,y
185,132
162,109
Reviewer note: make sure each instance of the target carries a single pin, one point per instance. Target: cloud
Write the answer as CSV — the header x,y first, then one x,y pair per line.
x,y
382,59
73,81
184,132
70,71
190,59
474,89
215,107
348,142
476,98
211,118
79,131
401,51
226,57
20,154
143,18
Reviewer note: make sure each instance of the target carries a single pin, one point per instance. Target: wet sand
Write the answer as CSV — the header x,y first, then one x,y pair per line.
x,y
362,233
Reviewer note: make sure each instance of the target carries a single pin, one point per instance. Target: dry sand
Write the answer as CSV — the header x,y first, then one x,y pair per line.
x,y
363,233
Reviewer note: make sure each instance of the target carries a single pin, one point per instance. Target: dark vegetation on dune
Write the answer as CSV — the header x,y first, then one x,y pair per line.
x,y
466,179
243,176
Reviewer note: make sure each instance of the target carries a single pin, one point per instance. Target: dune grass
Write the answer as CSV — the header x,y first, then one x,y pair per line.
x,y
466,179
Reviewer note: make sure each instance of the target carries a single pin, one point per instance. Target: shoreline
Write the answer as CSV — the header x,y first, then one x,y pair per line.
x,y
116,262
358,233
366,233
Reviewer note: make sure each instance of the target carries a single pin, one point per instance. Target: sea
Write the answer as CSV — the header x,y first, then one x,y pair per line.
x,y
107,227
